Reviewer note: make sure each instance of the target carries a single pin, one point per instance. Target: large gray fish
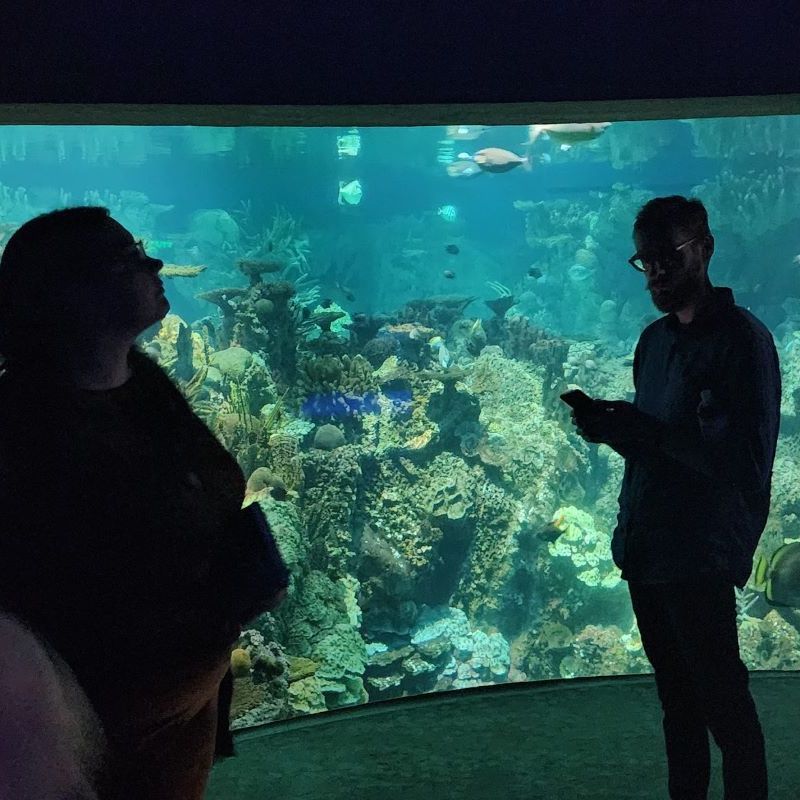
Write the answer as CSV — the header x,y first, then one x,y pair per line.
x,y
465,132
567,132
496,159
463,169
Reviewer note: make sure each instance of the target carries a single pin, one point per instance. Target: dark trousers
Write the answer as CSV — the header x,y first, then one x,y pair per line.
x,y
689,635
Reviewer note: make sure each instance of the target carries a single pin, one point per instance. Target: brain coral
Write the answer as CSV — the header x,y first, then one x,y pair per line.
x,y
328,437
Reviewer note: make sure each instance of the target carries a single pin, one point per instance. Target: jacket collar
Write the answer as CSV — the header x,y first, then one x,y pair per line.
x,y
707,314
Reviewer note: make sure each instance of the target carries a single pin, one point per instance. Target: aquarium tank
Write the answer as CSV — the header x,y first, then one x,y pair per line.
x,y
377,322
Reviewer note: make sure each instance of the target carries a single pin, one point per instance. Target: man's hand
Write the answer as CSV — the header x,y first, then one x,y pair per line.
x,y
613,422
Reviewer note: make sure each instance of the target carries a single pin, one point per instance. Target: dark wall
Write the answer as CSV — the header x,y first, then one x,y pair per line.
x,y
383,51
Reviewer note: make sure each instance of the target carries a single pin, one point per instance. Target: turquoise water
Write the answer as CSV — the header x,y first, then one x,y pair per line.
x,y
379,330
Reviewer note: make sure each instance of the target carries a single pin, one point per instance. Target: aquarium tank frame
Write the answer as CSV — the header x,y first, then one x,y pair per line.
x,y
395,114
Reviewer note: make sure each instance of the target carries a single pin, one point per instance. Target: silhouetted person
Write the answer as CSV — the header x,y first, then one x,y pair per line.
x,y
123,547
699,444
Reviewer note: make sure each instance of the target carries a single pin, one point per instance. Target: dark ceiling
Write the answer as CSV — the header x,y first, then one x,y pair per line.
x,y
384,51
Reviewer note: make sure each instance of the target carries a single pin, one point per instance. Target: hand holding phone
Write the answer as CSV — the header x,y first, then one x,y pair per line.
x,y
578,400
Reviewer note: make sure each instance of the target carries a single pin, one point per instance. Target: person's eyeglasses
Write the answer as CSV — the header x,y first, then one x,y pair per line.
x,y
643,262
135,257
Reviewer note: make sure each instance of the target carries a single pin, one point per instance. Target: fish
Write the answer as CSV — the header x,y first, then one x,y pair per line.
x,y
477,327
578,273
443,354
349,144
350,192
463,169
779,576
465,132
326,302
567,132
448,213
550,532
495,159
534,272
452,249
269,247
796,259
448,273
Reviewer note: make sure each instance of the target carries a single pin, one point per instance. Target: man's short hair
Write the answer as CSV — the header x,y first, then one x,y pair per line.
x,y
663,213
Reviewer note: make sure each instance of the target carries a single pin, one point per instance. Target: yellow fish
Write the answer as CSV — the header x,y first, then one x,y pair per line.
x,y
779,576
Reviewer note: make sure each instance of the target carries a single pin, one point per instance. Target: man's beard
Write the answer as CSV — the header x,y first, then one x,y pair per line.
x,y
676,296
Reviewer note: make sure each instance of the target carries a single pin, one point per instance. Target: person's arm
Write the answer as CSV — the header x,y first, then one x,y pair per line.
x,y
741,451
646,447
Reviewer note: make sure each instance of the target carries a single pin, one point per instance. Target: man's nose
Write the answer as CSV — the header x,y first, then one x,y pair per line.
x,y
655,268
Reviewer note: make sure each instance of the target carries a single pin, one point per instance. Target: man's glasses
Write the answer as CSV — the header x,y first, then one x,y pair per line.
x,y
643,262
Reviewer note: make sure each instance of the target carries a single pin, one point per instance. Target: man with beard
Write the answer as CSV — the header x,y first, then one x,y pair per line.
x,y
699,444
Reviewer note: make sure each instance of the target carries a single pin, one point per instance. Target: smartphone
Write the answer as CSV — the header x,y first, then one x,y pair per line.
x,y
577,399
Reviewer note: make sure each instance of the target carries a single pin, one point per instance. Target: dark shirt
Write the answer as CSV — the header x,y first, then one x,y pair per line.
x,y
117,506
695,499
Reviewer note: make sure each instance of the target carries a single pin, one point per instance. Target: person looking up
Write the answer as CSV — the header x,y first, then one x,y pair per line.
x,y
124,548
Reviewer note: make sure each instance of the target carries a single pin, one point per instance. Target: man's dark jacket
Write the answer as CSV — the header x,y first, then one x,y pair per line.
x,y
695,494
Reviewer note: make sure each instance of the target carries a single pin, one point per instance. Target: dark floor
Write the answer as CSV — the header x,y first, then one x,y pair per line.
x,y
561,740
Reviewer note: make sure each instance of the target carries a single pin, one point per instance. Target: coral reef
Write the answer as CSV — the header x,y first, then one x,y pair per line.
x,y
443,524
329,503
336,387
738,138
261,686
754,203
443,651
588,549
321,621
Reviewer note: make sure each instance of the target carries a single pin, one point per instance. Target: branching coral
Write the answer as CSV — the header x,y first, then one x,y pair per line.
x,y
329,504
572,219
281,242
729,138
752,203
337,386
588,548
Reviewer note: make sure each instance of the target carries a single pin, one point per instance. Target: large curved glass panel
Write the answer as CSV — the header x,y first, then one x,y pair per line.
x,y
378,322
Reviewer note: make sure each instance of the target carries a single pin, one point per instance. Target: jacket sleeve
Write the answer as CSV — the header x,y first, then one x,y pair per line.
x,y
645,448
737,448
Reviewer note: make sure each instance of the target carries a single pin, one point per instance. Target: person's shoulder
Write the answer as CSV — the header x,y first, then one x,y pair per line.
x,y
148,371
159,386
746,328
652,330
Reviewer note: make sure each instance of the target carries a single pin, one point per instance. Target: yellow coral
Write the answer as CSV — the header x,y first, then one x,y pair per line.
x,y
420,441
170,326
247,696
240,663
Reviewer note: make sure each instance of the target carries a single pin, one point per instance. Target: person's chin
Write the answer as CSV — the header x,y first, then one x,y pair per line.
x,y
665,302
161,310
